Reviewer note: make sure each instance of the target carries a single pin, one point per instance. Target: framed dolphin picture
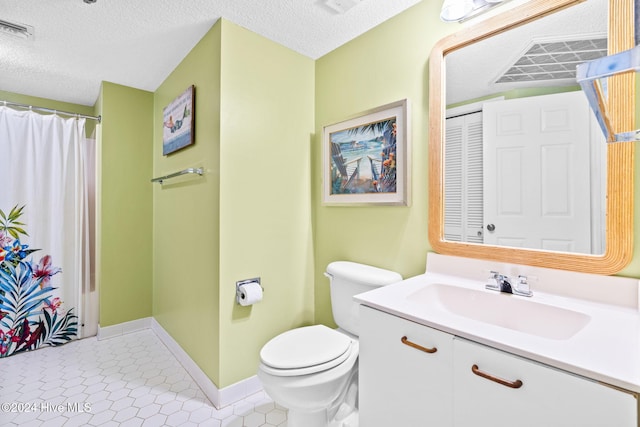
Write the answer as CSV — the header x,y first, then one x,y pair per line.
x,y
178,122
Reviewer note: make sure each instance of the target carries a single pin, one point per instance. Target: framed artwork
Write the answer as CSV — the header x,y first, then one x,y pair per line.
x,y
178,122
366,158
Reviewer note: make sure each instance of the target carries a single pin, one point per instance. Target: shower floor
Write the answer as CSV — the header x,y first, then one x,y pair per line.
x,y
129,380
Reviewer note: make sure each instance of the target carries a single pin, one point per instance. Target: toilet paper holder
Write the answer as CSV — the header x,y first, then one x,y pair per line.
x,y
244,282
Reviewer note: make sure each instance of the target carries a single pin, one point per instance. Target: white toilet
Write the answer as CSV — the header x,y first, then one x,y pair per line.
x,y
313,371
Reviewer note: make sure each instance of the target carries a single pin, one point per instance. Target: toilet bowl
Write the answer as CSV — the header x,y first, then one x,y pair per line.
x,y
313,370
311,381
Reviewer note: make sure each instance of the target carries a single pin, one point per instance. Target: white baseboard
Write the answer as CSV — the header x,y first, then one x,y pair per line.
x,y
219,397
123,328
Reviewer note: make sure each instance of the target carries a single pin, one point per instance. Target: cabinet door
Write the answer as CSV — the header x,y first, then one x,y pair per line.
x,y
401,383
546,396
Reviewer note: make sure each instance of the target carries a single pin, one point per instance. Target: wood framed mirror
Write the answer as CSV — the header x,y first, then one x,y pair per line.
x,y
617,245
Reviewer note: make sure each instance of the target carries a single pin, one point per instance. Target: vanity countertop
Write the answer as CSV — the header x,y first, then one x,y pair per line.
x,y
606,349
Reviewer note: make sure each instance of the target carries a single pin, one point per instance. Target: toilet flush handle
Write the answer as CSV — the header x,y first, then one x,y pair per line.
x,y
328,275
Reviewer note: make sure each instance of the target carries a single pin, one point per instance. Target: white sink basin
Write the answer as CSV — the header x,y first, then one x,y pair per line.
x,y
504,310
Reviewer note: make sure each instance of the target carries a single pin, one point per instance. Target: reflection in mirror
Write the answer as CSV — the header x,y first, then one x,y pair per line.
x,y
518,170
525,163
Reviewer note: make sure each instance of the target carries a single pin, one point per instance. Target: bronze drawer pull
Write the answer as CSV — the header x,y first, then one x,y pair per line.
x,y
406,341
510,384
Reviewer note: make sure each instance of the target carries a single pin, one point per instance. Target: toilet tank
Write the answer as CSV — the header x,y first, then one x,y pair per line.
x,y
348,279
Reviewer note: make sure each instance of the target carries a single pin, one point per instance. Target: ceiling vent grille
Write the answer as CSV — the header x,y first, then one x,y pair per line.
x,y
554,60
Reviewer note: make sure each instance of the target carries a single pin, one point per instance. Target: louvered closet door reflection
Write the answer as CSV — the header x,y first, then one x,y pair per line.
x,y
463,179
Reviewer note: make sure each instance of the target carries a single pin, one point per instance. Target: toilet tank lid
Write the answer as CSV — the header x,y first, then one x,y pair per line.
x,y
362,273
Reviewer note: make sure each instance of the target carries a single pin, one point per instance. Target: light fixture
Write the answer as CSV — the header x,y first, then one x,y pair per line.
x,y
460,10
14,29
455,10
89,1
592,77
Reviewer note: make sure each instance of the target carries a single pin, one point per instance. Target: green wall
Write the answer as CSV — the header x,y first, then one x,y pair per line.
x,y
250,215
186,219
265,202
386,64
519,93
125,211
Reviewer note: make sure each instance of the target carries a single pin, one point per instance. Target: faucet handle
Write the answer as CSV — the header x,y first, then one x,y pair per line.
x,y
492,282
522,287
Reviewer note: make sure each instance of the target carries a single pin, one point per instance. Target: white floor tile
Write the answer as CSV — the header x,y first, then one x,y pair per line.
x,y
126,381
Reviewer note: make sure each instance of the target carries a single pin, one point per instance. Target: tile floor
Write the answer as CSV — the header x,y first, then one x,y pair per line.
x,y
130,380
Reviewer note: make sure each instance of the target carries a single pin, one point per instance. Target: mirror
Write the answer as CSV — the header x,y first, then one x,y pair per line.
x,y
527,170
492,232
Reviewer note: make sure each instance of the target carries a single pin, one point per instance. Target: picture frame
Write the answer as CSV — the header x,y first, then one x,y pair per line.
x,y
366,158
178,120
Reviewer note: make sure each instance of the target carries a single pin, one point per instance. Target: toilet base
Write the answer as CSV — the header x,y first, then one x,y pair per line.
x,y
307,419
319,419
343,415
351,421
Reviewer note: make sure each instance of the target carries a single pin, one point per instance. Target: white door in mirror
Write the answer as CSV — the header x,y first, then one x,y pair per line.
x,y
537,173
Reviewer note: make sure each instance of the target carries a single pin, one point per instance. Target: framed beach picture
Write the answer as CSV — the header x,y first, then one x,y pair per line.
x,y
366,158
178,122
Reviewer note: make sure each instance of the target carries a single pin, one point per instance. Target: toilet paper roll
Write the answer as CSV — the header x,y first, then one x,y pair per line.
x,y
249,293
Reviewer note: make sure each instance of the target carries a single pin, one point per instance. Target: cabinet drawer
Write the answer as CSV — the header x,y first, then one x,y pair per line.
x,y
403,382
507,390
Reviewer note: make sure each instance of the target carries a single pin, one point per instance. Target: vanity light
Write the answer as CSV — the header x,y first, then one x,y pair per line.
x,y
16,30
592,77
459,10
455,10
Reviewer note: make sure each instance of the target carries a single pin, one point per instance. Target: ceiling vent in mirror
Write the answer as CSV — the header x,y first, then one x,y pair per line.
x,y
340,6
554,60
15,29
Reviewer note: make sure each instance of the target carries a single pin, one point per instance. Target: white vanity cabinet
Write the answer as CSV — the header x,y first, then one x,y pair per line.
x,y
466,384
531,394
403,382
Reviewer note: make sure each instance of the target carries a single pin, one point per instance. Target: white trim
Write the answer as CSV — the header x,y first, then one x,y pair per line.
x,y
123,328
469,108
218,397
208,387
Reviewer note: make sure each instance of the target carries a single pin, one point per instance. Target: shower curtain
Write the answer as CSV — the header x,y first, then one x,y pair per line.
x,y
43,230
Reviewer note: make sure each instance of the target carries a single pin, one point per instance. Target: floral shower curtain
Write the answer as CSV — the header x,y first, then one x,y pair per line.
x,y
43,230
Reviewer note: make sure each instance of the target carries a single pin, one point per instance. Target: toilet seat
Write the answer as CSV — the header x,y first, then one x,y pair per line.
x,y
304,351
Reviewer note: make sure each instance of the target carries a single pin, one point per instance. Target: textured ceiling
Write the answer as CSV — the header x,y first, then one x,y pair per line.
x,y
137,43
489,59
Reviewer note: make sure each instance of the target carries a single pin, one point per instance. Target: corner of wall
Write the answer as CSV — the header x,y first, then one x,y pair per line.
x,y
267,106
186,212
125,200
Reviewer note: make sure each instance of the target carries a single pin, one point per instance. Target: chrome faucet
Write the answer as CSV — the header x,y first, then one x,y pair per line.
x,y
501,283
522,287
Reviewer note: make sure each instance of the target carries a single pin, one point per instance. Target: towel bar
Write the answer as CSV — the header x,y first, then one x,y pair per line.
x,y
160,179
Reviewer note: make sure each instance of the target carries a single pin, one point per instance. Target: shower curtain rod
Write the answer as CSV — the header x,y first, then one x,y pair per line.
x,y
50,110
